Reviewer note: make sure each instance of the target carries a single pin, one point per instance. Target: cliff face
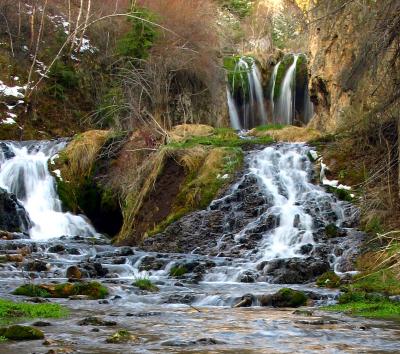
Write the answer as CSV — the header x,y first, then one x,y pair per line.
x,y
354,59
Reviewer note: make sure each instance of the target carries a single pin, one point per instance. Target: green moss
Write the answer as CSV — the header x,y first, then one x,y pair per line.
x,y
264,128
31,290
145,284
280,75
17,332
178,271
238,77
3,339
287,297
331,230
122,336
328,280
363,304
11,312
93,289
341,194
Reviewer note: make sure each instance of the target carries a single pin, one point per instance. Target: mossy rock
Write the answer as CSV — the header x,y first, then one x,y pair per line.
x,y
122,336
178,271
331,231
17,332
146,285
287,297
328,280
93,289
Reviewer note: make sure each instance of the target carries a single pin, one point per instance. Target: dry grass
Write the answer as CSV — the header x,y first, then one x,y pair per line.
x,y
187,131
80,155
289,134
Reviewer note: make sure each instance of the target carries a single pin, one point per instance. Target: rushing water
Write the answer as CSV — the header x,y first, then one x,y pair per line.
x,y
193,313
26,174
272,93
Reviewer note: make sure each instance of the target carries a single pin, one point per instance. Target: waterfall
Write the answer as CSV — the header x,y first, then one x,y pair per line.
x,y
233,113
25,173
286,103
272,85
246,98
308,106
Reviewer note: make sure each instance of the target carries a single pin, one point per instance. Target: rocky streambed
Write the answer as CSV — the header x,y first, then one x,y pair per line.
x,y
216,281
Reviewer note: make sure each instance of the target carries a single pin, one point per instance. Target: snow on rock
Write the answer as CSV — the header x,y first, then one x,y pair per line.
x,y
12,90
8,121
58,174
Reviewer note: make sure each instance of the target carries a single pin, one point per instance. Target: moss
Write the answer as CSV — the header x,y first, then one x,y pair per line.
x,y
31,290
11,312
178,271
331,230
145,284
280,75
341,194
263,128
238,77
328,280
287,297
93,289
17,332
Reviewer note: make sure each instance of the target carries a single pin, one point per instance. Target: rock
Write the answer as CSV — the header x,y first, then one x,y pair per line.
x,y
122,336
96,321
79,297
306,249
37,266
247,277
306,313
94,270
19,258
285,297
329,280
295,270
152,263
73,273
246,301
180,299
56,249
13,217
18,332
41,324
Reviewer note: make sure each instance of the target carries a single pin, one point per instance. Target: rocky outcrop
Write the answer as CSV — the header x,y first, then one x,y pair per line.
x,y
13,217
352,51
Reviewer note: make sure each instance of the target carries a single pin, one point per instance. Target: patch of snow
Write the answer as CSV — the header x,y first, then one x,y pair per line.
x,y
8,121
11,90
25,48
53,158
58,174
314,155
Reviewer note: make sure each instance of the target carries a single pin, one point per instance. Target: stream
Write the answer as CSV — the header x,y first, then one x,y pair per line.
x,y
267,231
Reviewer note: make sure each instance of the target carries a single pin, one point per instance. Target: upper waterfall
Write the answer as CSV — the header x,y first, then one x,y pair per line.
x,y
24,172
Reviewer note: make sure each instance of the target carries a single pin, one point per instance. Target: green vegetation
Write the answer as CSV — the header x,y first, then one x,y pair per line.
x,y
62,77
275,126
122,336
328,280
222,137
139,40
331,230
238,77
341,194
241,8
178,271
384,281
367,305
92,289
280,75
11,312
145,284
374,226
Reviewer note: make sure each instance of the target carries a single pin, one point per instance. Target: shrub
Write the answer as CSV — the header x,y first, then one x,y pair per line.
x,y
145,284
328,280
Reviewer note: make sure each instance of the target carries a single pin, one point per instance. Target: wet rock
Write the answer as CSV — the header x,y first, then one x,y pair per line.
x,y
188,343
41,324
306,249
73,251
56,249
152,263
18,332
247,277
96,321
119,260
180,299
94,270
317,322
306,313
79,297
37,266
125,251
13,217
295,270
122,336
73,273
285,297
245,301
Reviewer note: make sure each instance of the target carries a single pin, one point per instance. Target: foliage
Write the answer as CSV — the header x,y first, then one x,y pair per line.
x,y
178,271
275,126
11,312
328,280
384,281
145,284
237,74
31,290
341,194
241,8
362,304
62,77
141,37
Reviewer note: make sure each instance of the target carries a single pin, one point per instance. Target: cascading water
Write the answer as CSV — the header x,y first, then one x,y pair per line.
x,y
246,98
24,172
286,103
272,94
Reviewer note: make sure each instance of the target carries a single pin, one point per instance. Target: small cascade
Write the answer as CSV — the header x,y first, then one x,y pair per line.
x,y
287,103
24,172
272,93
246,97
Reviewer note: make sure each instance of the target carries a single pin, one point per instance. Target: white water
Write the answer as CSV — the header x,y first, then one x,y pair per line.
x,y
256,81
272,85
27,176
286,102
233,113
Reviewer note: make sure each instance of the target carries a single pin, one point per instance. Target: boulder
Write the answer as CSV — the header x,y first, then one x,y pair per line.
x,y
73,273
13,217
17,332
285,297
